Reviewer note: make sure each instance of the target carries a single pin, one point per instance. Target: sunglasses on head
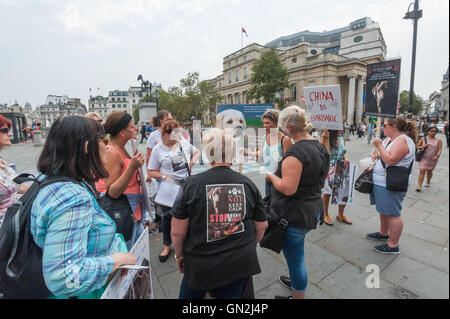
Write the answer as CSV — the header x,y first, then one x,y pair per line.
x,y
103,140
4,130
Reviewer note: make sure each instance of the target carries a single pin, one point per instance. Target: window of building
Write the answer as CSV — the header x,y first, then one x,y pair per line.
x,y
124,106
237,61
245,72
294,92
294,60
238,98
245,58
229,79
231,99
237,75
247,100
123,99
113,106
113,99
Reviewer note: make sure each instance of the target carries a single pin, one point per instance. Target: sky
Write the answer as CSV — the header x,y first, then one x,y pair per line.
x,y
66,47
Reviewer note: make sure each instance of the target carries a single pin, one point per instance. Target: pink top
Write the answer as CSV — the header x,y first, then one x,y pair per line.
x,y
133,187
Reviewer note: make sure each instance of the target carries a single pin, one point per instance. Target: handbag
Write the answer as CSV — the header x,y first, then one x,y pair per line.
x,y
397,177
120,212
274,235
419,153
364,183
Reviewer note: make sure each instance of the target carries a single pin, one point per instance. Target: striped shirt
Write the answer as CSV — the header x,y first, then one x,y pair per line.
x,y
76,236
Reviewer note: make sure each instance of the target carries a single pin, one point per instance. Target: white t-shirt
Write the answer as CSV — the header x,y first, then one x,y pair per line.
x,y
153,139
172,163
379,177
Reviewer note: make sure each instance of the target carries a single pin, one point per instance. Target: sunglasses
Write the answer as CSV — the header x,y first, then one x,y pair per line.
x,y
169,131
4,130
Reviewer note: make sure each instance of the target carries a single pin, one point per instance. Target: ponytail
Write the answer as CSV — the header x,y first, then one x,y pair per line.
x,y
411,130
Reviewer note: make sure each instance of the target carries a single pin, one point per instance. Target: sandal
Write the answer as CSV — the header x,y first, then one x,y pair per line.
x,y
417,189
427,185
344,220
328,221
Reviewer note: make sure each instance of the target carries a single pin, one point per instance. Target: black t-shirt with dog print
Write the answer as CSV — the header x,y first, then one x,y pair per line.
x,y
220,246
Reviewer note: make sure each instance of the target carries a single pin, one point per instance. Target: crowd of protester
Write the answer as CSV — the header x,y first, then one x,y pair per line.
x,y
78,238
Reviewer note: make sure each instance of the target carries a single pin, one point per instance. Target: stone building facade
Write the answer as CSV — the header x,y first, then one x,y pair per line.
x,y
116,100
312,58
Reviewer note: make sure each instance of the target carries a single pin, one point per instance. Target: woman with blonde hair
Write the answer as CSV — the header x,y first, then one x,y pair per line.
x,y
296,192
94,116
217,224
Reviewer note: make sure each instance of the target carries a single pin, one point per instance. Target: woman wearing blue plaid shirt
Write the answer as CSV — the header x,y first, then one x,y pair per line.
x,y
80,246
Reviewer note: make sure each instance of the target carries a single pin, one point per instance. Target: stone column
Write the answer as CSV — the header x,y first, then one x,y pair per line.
x,y
359,99
351,99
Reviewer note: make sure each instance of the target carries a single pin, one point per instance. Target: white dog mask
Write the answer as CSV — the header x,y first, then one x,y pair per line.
x,y
232,119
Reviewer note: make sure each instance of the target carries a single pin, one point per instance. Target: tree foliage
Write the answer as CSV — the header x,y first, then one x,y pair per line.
x,y
404,102
268,78
191,98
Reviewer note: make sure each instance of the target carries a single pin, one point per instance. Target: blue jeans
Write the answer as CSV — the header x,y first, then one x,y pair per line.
x,y
294,252
230,291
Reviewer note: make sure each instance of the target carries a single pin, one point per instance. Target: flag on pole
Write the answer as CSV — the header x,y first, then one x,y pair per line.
x,y
243,31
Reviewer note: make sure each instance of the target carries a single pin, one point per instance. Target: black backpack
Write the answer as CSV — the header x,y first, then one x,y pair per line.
x,y
21,275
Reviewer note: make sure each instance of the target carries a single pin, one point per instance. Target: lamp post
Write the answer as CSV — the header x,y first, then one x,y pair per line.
x,y
415,15
157,95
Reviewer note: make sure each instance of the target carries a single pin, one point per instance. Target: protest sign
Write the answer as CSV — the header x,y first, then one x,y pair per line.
x,y
343,183
249,113
324,108
382,83
137,284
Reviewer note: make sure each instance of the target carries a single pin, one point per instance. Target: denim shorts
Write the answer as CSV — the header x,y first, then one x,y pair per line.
x,y
387,202
294,252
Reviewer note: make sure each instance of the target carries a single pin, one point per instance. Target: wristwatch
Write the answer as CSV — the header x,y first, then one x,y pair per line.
x,y
178,259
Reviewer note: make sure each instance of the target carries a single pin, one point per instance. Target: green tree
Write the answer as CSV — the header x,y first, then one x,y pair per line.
x,y
136,114
268,78
404,102
191,98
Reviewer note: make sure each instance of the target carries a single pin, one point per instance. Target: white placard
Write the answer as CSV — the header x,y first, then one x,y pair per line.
x,y
167,193
137,284
324,106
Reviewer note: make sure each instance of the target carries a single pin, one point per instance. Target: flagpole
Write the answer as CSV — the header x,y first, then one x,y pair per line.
x,y
242,38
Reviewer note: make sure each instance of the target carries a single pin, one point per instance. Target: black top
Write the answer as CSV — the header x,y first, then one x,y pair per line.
x,y
220,245
304,208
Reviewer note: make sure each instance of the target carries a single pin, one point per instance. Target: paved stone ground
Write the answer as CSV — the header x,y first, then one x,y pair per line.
x,y
336,257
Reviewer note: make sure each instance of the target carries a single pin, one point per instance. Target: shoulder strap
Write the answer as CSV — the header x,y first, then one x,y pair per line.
x,y
281,142
185,159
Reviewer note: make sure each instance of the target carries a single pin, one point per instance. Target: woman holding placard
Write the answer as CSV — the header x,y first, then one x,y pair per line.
x,y
334,143
171,161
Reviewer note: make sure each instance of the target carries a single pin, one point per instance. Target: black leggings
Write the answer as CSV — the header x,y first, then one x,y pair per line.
x,y
166,224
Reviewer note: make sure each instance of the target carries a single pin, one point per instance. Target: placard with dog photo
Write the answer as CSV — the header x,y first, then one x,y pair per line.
x,y
382,84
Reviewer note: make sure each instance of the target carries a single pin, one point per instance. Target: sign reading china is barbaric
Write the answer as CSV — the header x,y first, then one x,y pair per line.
x,y
323,104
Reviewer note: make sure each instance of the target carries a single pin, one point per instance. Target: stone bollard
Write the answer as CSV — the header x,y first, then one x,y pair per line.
x,y
37,138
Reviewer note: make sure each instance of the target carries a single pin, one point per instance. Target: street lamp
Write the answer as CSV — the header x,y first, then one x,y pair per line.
x,y
415,15
157,95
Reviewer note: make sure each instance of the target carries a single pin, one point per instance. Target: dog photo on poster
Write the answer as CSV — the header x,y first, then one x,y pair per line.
x,y
382,84
225,210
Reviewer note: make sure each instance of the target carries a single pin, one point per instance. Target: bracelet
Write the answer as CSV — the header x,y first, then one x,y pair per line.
x,y
178,259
